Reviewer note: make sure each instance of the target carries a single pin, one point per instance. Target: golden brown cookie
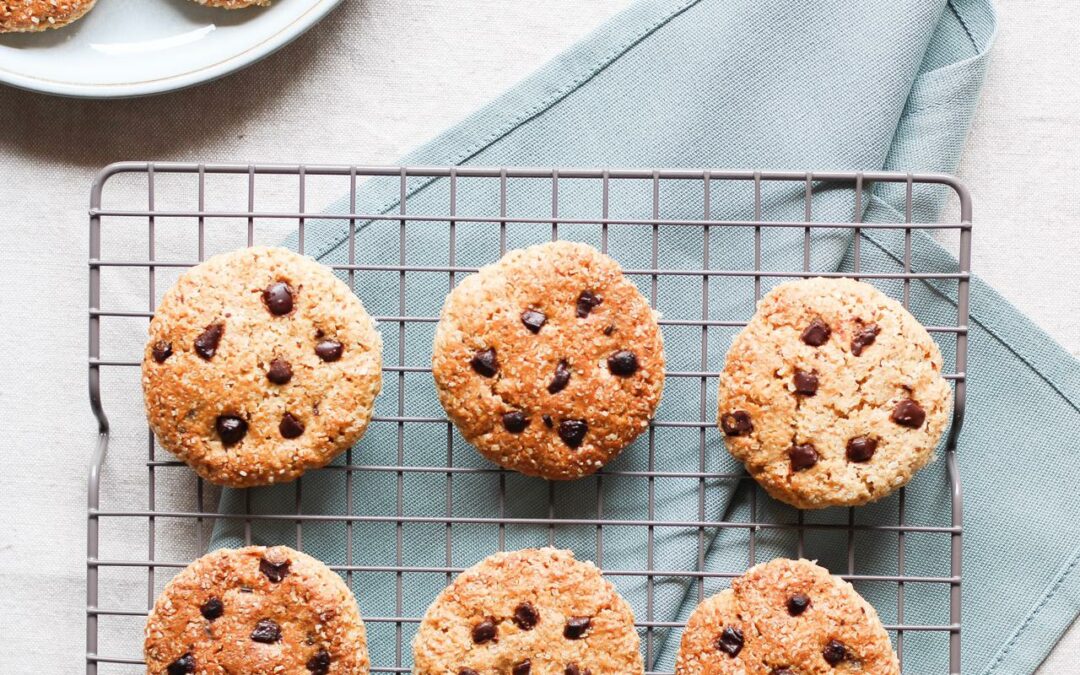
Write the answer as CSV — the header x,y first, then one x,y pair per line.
x,y
30,16
528,612
785,617
261,364
233,4
832,395
550,361
256,610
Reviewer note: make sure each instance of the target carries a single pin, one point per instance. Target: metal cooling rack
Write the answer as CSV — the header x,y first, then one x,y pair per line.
x,y
132,552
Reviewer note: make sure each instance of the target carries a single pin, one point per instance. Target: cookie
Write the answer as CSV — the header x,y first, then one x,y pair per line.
x,y
260,364
785,617
832,395
550,361
529,612
234,4
31,16
255,610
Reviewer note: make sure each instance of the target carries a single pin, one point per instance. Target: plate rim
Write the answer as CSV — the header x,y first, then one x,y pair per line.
x,y
246,57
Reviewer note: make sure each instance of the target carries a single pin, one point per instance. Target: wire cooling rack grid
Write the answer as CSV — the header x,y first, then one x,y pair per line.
x,y
164,217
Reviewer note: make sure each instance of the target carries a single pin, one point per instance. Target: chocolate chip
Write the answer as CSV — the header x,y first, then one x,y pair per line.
x,y
864,338
730,641
816,334
736,423
608,330
278,298
533,319
329,350
247,589
515,421
485,363
207,343
467,671
275,572
782,671
573,669
181,666
572,432
484,631
523,668
161,351
280,371
290,427
861,448
797,604
319,663
834,652
805,383
585,303
622,363
525,616
561,379
212,609
548,422
576,627
908,413
802,456
266,632
230,429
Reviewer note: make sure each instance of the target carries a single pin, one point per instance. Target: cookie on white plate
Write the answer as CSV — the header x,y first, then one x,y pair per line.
x,y
31,16
233,4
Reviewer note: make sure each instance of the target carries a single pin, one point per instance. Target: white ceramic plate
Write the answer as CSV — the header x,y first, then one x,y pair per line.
x,y
140,47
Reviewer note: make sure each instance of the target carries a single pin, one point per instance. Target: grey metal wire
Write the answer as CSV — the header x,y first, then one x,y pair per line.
x,y
158,504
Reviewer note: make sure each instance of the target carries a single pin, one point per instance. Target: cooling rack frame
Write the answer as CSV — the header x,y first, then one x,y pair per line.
x,y
859,182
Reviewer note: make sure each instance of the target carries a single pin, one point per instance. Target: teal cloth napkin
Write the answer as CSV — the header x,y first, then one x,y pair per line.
x,y
827,84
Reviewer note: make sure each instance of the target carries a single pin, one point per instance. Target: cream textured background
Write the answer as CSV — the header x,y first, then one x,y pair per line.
x,y
377,78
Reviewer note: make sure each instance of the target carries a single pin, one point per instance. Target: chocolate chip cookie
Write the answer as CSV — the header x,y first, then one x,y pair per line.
x,y
550,361
785,617
261,364
832,395
529,612
255,610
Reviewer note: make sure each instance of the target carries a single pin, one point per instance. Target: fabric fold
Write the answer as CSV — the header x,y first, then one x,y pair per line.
x,y
722,83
